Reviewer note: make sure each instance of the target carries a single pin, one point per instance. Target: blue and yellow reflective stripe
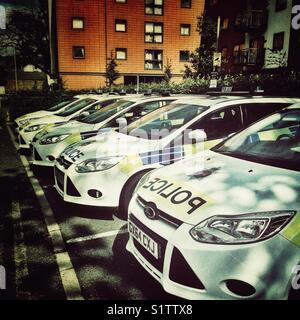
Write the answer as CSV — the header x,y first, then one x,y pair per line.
x,y
292,232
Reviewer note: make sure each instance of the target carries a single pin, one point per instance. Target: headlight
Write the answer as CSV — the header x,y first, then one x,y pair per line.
x,y
53,139
100,164
26,121
246,228
34,127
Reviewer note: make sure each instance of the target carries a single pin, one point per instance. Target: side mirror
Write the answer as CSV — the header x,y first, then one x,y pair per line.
x,y
84,114
197,136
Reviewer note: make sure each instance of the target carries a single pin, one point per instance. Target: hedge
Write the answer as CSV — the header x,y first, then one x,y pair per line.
x,y
280,83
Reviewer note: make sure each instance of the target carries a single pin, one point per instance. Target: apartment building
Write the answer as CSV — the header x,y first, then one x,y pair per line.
x,y
256,34
143,36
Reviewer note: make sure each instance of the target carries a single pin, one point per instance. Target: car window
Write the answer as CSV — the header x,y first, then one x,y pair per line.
x,y
255,111
76,107
60,105
137,112
161,123
99,105
221,123
274,141
106,112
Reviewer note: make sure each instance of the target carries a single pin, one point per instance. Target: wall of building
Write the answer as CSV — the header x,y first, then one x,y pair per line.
x,y
101,41
278,22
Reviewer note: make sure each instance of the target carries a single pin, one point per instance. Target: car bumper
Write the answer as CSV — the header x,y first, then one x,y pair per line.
x,y
94,189
45,155
194,270
25,139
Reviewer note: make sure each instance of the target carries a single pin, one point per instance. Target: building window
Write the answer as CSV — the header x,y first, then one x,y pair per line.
x,y
224,52
280,5
153,59
78,52
77,23
153,32
185,29
184,55
120,25
121,53
120,1
186,3
154,7
225,24
278,41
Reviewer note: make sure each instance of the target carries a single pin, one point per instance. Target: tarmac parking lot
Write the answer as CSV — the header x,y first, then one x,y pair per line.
x,y
54,250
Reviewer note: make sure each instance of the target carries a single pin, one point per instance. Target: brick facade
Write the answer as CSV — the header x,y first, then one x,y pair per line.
x,y
100,38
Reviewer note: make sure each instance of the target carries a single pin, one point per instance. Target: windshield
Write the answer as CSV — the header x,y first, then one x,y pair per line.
x,y
137,112
75,107
162,122
274,141
107,112
60,105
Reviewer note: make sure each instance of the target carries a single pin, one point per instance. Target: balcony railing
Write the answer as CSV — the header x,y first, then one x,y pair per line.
x,y
252,20
250,56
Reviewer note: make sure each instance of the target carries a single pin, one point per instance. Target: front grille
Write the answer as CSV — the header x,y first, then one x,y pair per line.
x,y
63,162
182,273
162,243
59,175
36,155
161,214
71,189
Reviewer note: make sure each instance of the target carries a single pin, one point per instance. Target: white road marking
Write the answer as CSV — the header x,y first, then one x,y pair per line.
x,y
67,273
20,253
97,236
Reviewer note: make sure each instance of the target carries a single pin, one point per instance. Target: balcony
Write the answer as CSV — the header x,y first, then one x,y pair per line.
x,y
248,57
254,20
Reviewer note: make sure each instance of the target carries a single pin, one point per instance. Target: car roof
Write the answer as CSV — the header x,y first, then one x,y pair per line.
x,y
217,101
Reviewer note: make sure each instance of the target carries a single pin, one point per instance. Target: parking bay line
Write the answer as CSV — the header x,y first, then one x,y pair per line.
x,y
96,236
20,253
66,270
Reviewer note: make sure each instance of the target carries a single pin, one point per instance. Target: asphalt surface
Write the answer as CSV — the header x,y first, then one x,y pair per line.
x,y
94,239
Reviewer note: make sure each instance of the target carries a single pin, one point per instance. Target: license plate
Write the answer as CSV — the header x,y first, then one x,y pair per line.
x,y
143,239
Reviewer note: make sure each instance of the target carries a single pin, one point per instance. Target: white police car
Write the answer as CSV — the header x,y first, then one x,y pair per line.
x,y
51,141
28,117
80,108
226,223
104,171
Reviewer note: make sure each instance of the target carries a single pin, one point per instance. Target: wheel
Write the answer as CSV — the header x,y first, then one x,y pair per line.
x,y
126,195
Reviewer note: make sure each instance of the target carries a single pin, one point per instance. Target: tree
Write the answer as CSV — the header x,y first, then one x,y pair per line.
x,y
111,74
202,59
27,34
168,71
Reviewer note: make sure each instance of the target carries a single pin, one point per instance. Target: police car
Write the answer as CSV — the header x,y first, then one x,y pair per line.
x,y
28,117
51,141
78,109
225,224
104,171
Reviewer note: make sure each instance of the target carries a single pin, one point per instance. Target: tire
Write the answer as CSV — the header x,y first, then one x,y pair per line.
x,y
126,195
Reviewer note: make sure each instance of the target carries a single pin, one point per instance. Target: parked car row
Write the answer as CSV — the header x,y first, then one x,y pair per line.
x,y
209,185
